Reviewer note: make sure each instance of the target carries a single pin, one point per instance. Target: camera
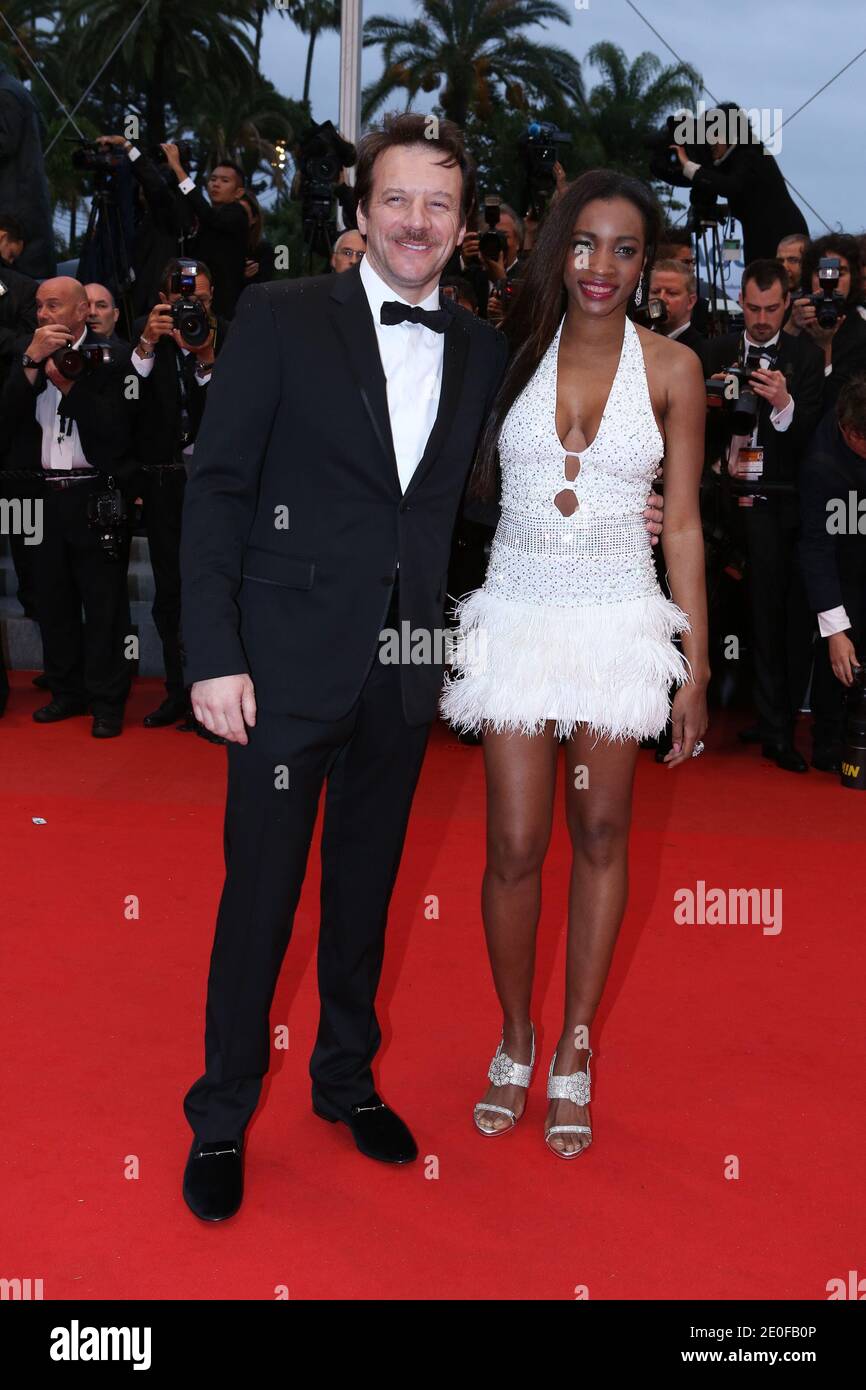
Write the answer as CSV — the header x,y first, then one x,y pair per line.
x,y
655,311
492,244
107,513
540,146
735,393
94,158
77,362
187,315
828,301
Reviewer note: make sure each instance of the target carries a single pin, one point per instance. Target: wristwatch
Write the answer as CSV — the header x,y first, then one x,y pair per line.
x,y
27,361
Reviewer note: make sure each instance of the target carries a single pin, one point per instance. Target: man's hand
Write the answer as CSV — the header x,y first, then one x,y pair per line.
x,y
469,246
805,316
48,339
771,386
223,705
172,158
653,513
63,383
843,657
251,268
112,140
495,310
159,324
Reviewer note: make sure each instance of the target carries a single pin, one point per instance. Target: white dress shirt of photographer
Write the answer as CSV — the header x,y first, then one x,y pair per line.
x,y
61,444
779,419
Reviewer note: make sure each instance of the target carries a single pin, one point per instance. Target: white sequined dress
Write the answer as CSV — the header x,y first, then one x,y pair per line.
x,y
570,623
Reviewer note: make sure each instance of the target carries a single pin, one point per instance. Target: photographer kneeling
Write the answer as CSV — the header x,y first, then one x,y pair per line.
x,y
833,553
64,412
777,403
176,346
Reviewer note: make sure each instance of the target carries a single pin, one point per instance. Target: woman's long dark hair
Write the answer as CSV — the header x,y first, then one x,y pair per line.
x,y
541,298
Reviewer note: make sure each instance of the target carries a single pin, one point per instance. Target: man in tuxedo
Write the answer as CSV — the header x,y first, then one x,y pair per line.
x,y
789,388
674,284
222,227
339,432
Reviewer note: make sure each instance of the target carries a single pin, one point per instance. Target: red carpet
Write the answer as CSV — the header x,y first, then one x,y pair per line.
x,y
713,1041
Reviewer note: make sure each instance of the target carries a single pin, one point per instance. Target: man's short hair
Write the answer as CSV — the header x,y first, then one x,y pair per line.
x,y
676,236
516,219
175,264
672,267
801,237
851,405
11,226
765,272
230,164
412,128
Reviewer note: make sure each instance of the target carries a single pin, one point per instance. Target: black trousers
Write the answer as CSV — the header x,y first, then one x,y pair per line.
x,y
371,760
83,660
782,623
162,498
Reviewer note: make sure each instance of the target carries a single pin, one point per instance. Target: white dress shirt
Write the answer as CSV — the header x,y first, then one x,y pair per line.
x,y
411,357
61,445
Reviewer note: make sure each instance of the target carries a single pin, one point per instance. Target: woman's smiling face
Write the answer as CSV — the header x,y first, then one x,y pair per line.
x,y
606,255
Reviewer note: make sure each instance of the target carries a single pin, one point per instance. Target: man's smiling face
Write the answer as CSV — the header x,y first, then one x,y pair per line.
x,y
412,220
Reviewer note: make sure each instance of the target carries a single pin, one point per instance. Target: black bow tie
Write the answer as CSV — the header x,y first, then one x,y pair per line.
x,y
393,311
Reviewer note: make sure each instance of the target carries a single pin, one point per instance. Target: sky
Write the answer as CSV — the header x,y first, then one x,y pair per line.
x,y
748,52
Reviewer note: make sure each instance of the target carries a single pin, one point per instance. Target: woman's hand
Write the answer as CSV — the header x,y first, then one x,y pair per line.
x,y
688,720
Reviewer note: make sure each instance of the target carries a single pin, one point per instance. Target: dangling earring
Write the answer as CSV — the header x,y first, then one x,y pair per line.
x,y
638,294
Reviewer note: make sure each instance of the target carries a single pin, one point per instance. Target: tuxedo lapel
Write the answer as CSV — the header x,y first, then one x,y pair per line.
x,y
350,312
453,373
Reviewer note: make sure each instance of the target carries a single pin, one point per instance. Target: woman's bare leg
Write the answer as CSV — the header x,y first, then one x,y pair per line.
x,y
598,812
521,781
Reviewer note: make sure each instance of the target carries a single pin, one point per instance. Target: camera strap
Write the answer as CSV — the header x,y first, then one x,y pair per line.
x,y
183,392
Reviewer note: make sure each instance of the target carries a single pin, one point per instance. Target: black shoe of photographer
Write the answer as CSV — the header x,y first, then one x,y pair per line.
x,y
59,708
41,681
751,735
826,760
213,1180
785,756
106,726
376,1130
173,708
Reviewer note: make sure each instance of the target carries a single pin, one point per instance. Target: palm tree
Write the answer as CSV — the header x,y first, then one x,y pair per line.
x,y
171,51
312,17
478,50
632,101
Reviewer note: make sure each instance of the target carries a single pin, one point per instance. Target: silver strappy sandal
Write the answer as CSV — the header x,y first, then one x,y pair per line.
x,y
504,1071
576,1089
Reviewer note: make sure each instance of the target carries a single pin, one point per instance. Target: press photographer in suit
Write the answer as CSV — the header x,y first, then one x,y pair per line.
x,y
789,391
841,336
175,374
833,554
67,422
222,226
742,174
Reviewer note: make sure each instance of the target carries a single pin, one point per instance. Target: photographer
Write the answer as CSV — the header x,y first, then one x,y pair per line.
x,y
104,313
222,233
742,174
348,251
673,284
831,292
782,403
833,554
790,252
65,417
164,220
174,378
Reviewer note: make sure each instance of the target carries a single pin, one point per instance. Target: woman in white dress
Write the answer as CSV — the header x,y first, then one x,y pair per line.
x,y
570,636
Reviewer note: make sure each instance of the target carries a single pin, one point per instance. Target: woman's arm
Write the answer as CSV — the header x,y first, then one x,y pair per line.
x,y
683,540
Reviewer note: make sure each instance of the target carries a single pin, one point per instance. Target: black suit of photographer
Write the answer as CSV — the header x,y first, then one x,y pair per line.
x,y
751,183
834,564
17,326
160,233
221,241
82,664
781,620
166,420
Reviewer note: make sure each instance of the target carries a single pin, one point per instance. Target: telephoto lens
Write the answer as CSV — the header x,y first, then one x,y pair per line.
x,y
853,773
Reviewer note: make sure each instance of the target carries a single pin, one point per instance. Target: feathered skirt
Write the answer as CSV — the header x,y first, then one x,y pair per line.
x,y
607,666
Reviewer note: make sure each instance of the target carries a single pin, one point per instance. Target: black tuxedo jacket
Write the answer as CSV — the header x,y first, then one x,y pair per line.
x,y
834,556
751,183
221,242
296,430
17,314
156,417
802,363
